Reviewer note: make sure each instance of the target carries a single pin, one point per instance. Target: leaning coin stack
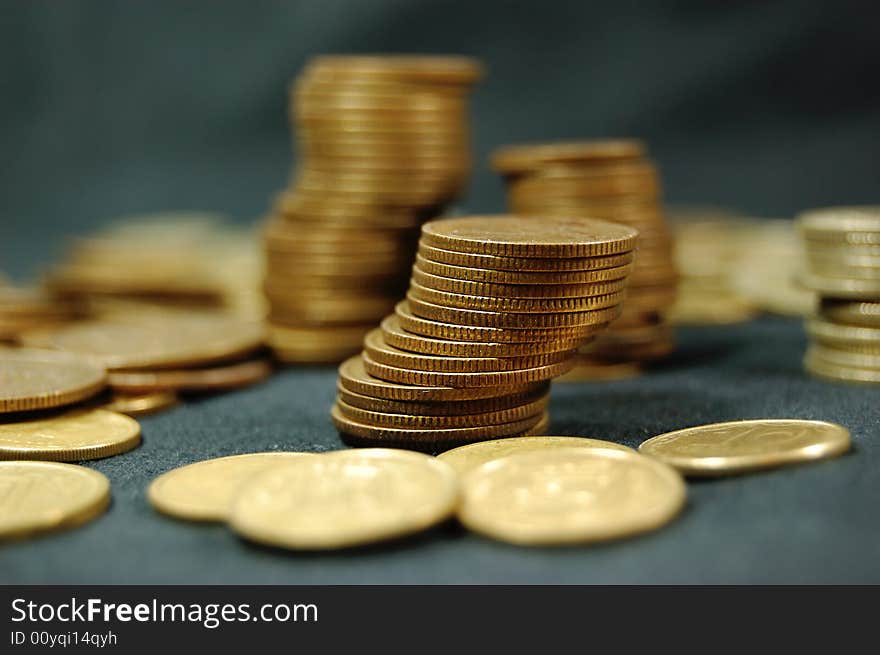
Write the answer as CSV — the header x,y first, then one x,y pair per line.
x,y
843,267
383,145
497,307
614,181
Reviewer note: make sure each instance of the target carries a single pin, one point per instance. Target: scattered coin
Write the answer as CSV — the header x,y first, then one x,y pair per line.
x,y
204,491
44,496
215,378
40,379
570,495
465,459
344,499
141,404
742,446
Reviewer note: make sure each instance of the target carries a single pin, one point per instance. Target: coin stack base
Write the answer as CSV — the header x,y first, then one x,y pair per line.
x,y
611,180
496,308
843,267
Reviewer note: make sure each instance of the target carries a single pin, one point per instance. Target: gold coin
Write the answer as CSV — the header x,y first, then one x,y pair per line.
x,y
439,69
469,333
524,291
516,320
354,377
865,314
829,371
442,421
523,264
179,339
440,408
379,351
396,336
44,496
345,498
845,337
466,380
215,378
847,358
524,158
540,428
516,236
570,495
521,305
285,336
589,369
41,379
204,491
520,278
742,446
465,459
141,404
847,224
70,436
359,434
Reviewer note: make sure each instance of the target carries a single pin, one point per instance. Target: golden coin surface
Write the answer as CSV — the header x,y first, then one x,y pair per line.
x,y
521,278
378,350
174,340
523,264
396,336
141,404
524,291
359,433
570,495
449,69
465,459
517,236
442,421
865,314
492,379
41,379
345,498
215,378
70,436
741,446
204,491
522,158
44,496
521,305
354,377
440,408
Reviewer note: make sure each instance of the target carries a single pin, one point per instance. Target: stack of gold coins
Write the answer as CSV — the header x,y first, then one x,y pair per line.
x,y
843,267
23,309
497,307
383,145
614,181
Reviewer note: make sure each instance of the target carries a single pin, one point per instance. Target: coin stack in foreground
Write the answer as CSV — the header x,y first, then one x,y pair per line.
x,y
614,181
496,308
843,267
383,145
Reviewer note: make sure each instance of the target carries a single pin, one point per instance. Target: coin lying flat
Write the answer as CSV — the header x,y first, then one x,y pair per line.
x,y
442,421
215,378
570,495
69,436
346,498
43,496
141,404
740,446
465,459
204,491
40,379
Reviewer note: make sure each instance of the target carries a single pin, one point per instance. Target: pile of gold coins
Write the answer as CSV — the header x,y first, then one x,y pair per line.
x,y
23,309
497,306
843,267
613,181
384,144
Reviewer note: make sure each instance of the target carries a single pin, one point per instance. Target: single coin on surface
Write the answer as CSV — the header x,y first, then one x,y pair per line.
x,y
70,436
43,496
41,379
564,496
466,458
740,446
204,491
345,498
141,404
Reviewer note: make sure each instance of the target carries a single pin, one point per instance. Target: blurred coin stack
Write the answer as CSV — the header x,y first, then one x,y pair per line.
x,y
496,308
383,144
23,309
843,267
613,181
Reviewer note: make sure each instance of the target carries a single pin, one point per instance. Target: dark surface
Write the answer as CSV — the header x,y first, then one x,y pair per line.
x,y
813,523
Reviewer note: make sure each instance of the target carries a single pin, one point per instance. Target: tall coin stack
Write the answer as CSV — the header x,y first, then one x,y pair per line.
x,y
384,144
496,308
843,266
611,180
